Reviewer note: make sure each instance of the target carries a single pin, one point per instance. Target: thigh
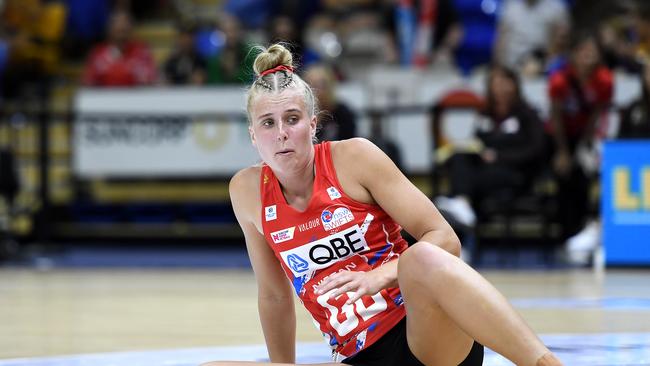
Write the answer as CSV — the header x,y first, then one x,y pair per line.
x,y
433,337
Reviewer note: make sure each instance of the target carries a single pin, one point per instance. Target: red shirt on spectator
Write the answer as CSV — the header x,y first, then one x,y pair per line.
x,y
564,88
109,65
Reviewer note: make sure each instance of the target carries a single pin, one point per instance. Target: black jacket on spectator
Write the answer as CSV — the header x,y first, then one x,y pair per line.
x,y
518,139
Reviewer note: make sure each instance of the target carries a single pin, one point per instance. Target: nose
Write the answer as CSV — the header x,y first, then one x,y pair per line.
x,y
282,133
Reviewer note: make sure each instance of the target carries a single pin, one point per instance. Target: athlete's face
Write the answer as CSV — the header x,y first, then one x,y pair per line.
x,y
282,129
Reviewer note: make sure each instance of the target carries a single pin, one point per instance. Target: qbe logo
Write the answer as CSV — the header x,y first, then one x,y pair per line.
x,y
297,264
325,252
335,216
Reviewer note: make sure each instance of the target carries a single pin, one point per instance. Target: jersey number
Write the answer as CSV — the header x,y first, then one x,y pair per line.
x,y
349,311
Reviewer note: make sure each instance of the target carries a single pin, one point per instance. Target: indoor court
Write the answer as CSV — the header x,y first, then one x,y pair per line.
x,y
180,317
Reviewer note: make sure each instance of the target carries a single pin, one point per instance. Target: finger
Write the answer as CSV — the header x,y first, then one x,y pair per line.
x,y
353,296
343,289
331,282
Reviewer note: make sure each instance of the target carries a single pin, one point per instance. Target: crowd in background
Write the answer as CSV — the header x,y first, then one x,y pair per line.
x,y
576,45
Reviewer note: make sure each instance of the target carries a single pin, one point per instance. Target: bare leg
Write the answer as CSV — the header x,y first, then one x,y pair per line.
x,y
448,304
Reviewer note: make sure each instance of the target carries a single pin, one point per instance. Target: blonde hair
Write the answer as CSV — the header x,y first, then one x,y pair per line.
x,y
278,81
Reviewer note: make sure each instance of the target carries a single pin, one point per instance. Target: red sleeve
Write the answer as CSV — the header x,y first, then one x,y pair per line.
x,y
558,88
604,86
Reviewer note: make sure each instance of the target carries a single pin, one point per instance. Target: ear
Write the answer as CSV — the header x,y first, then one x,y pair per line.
x,y
252,135
313,123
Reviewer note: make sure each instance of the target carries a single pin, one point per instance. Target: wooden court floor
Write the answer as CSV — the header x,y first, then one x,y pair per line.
x,y
60,312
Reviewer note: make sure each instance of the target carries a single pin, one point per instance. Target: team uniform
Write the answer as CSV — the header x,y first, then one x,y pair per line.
x,y
336,233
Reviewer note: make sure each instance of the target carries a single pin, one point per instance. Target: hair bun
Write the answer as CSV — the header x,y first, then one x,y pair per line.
x,y
272,57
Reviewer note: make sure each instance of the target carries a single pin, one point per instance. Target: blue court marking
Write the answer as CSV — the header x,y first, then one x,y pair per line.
x,y
605,303
612,349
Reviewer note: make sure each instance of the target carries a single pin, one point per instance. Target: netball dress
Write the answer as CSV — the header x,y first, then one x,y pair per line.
x,y
335,233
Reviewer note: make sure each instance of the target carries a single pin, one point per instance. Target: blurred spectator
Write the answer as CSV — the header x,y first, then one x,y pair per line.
x,y
251,14
512,138
121,60
619,38
336,120
33,30
185,66
635,118
530,32
282,28
322,41
85,26
234,62
364,38
580,94
424,31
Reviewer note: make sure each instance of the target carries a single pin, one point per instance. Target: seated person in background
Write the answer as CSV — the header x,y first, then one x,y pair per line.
x,y
512,136
121,60
581,94
337,121
185,66
635,118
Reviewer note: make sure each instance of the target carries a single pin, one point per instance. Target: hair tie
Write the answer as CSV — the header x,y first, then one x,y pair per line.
x,y
276,69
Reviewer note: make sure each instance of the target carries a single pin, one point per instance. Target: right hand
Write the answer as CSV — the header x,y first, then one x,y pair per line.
x,y
562,163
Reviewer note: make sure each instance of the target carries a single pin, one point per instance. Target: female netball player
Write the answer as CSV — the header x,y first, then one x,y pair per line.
x,y
328,216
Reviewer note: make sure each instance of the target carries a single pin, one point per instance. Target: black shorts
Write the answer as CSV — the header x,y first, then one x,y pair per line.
x,y
393,350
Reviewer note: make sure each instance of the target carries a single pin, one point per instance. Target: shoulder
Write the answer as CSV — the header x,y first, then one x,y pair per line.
x,y
244,189
358,157
352,148
245,180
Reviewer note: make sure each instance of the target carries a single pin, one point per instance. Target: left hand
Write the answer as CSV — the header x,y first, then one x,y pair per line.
x,y
359,283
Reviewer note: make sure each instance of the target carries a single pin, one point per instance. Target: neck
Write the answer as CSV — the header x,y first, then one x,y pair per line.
x,y
297,185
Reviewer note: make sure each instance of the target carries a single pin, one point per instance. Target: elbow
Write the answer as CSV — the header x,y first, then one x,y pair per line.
x,y
453,244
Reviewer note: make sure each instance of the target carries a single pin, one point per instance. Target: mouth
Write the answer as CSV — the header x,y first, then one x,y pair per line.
x,y
284,152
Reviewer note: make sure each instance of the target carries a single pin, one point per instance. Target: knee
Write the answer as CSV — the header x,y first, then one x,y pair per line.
x,y
425,262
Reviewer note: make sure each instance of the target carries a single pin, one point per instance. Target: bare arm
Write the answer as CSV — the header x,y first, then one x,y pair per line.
x,y
275,296
381,182
391,190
